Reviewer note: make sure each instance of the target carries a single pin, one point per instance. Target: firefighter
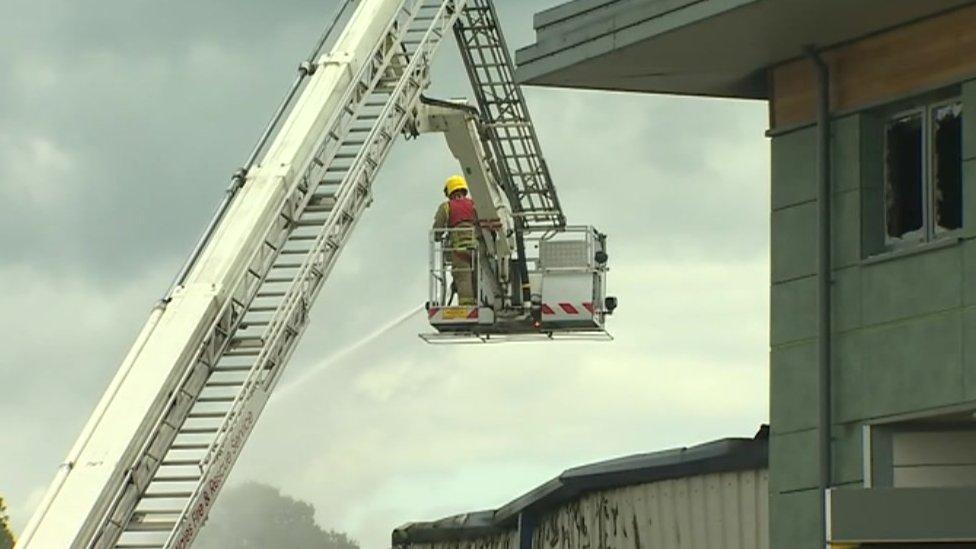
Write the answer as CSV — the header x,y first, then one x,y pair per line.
x,y
458,213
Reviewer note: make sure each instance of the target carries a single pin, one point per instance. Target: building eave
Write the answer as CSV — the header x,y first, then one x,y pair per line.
x,y
715,48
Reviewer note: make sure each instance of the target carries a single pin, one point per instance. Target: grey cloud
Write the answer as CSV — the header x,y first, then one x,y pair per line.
x,y
154,108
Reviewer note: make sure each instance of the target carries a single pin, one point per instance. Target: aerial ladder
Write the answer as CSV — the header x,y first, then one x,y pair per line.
x,y
158,448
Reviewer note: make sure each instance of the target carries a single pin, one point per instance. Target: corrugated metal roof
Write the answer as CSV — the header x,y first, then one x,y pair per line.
x,y
730,454
469,525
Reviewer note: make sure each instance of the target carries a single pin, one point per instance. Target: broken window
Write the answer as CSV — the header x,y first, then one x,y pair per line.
x,y
923,173
904,177
947,166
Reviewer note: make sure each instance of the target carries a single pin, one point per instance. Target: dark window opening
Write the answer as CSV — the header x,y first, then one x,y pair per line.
x,y
947,166
921,191
904,176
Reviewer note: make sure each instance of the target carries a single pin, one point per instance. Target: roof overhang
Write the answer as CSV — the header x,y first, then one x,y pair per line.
x,y
697,47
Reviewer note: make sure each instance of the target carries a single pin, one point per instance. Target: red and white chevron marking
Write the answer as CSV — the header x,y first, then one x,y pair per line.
x,y
564,310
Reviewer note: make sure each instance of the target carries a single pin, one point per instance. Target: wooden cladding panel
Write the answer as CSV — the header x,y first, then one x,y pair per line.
x,y
924,55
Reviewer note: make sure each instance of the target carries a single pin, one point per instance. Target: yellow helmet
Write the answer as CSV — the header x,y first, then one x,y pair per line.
x,y
455,183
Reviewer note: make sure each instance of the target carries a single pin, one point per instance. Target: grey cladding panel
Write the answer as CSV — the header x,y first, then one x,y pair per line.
x,y
902,514
969,120
793,380
794,242
794,178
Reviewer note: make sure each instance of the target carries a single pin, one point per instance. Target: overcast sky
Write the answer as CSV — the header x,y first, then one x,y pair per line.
x,y
120,123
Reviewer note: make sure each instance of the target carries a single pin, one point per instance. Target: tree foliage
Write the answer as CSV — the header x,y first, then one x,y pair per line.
x,y
254,515
6,535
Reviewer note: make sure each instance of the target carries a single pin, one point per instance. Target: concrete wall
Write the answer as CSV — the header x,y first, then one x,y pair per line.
x,y
904,328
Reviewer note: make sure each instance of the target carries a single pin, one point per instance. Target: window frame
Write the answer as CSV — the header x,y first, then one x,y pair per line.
x,y
894,243
929,231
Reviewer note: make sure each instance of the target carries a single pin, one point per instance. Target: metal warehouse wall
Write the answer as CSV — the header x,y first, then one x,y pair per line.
x,y
714,511
508,540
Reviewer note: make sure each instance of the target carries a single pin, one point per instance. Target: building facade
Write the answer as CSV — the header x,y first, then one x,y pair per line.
x,y
872,122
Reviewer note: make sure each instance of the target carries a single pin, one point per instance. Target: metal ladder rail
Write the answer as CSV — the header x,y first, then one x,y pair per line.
x,y
289,321
511,134
196,376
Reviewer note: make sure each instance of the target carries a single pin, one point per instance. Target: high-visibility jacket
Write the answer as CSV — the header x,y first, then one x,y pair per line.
x,y
458,213
461,212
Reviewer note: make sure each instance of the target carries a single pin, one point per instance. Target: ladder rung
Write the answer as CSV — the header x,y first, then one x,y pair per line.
x,y
295,252
250,323
224,384
150,526
206,415
167,495
180,462
216,399
241,352
232,368
276,280
247,342
271,294
303,237
140,545
177,478
311,222
150,512
198,430
317,208
190,445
